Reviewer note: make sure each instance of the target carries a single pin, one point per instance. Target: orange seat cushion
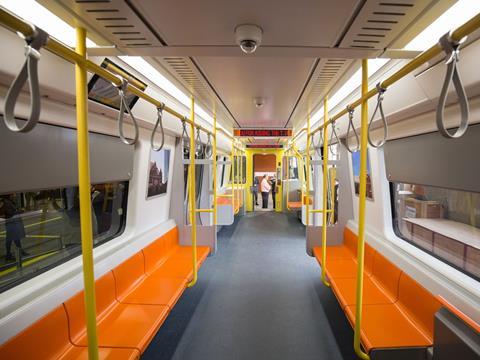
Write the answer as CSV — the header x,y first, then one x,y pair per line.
x,y
387,326
333,252
185,252
341,268
418,303
386,276
156,290
45,339
142,321
345,291
81,353
157,252
294,205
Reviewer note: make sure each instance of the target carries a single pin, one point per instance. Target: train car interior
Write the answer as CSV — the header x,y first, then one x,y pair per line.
x,y
213,180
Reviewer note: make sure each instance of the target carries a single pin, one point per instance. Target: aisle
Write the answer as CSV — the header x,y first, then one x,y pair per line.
x,y
259,297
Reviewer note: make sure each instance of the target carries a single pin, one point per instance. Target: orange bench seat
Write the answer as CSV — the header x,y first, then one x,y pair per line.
x,y
294,205
136,295
48,338
391,299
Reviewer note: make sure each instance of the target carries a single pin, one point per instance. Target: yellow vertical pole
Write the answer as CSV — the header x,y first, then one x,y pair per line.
x,y
325,191
288,181
361,217
307,165
215,169
85,195
232,168
192,197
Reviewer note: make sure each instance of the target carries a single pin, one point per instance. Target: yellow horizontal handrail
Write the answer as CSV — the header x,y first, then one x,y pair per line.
x,y
321,211
203,210
18,25
456,35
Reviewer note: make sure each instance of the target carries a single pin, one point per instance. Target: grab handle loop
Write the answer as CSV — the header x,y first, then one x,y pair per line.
x,y
381,91
185,139
28,72
162,130
122,89
208,147
351,126
334,133
451,49
198,145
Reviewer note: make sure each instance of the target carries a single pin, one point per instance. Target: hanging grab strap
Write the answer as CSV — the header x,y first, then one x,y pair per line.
x,y
198,145
162,130
330,143
450,47
208,147
185,139
381,91
351,126
28,72
122,89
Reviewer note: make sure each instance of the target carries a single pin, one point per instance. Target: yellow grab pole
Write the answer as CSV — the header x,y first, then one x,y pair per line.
x,y
232,168
325,192
288,180
192,197
361,217
85,195
214,166
307,165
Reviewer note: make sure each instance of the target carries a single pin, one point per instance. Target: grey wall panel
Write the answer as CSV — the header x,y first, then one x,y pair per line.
x,y
46,158
431,159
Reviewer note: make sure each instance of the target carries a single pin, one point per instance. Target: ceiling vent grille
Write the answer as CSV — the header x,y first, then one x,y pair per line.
x,y
114,20
380,22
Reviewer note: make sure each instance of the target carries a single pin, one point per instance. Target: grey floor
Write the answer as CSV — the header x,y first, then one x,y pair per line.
x,y
258,297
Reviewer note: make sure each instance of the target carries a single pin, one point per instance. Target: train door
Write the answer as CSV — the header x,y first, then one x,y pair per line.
x,y
264,166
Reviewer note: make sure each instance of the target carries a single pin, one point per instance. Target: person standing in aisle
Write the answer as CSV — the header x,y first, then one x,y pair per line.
x,y
255,189
274,191
265,189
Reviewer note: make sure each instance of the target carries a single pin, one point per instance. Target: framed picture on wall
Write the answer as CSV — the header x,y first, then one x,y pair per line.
x,y
356,174
158,171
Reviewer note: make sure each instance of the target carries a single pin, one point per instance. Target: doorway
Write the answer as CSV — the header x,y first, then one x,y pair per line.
x,y
263,164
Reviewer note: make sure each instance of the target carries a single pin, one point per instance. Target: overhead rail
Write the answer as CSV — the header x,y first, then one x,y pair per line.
x,y
28,31
454,37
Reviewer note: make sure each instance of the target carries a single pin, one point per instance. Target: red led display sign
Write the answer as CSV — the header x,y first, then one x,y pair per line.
x,y
266,146
263,132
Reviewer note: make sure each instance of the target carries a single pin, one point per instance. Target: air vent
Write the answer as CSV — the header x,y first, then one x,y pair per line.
x,y
380,22
114,20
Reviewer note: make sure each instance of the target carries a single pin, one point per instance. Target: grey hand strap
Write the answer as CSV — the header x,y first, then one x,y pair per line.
x,y
452,55
185,139
28,72
330,143
162,131
381,91
122,89
198,145
351,126
208,148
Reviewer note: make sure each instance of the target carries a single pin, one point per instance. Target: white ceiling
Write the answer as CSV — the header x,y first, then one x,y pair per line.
x,y
237,80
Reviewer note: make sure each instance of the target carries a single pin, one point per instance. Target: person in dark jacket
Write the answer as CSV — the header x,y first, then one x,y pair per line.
x,y
274,190
14,229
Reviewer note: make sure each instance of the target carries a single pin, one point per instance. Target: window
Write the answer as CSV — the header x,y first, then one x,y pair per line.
x,y
41,229
443,222
293,167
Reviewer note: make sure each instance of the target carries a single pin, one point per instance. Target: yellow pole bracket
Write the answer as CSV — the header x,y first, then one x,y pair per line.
x,y
192,197
325,193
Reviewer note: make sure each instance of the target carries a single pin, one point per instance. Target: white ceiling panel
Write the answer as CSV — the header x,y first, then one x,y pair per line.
x,y
239,80
293,23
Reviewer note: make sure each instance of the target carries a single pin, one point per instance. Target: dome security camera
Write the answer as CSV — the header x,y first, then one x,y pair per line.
x,y
248,37
259,102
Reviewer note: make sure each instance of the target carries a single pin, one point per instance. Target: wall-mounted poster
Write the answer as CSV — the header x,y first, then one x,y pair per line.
x,y
158,170
356,174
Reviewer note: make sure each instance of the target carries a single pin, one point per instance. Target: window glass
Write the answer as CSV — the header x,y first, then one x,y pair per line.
x,y
41,229
356,174
442,222
293,167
